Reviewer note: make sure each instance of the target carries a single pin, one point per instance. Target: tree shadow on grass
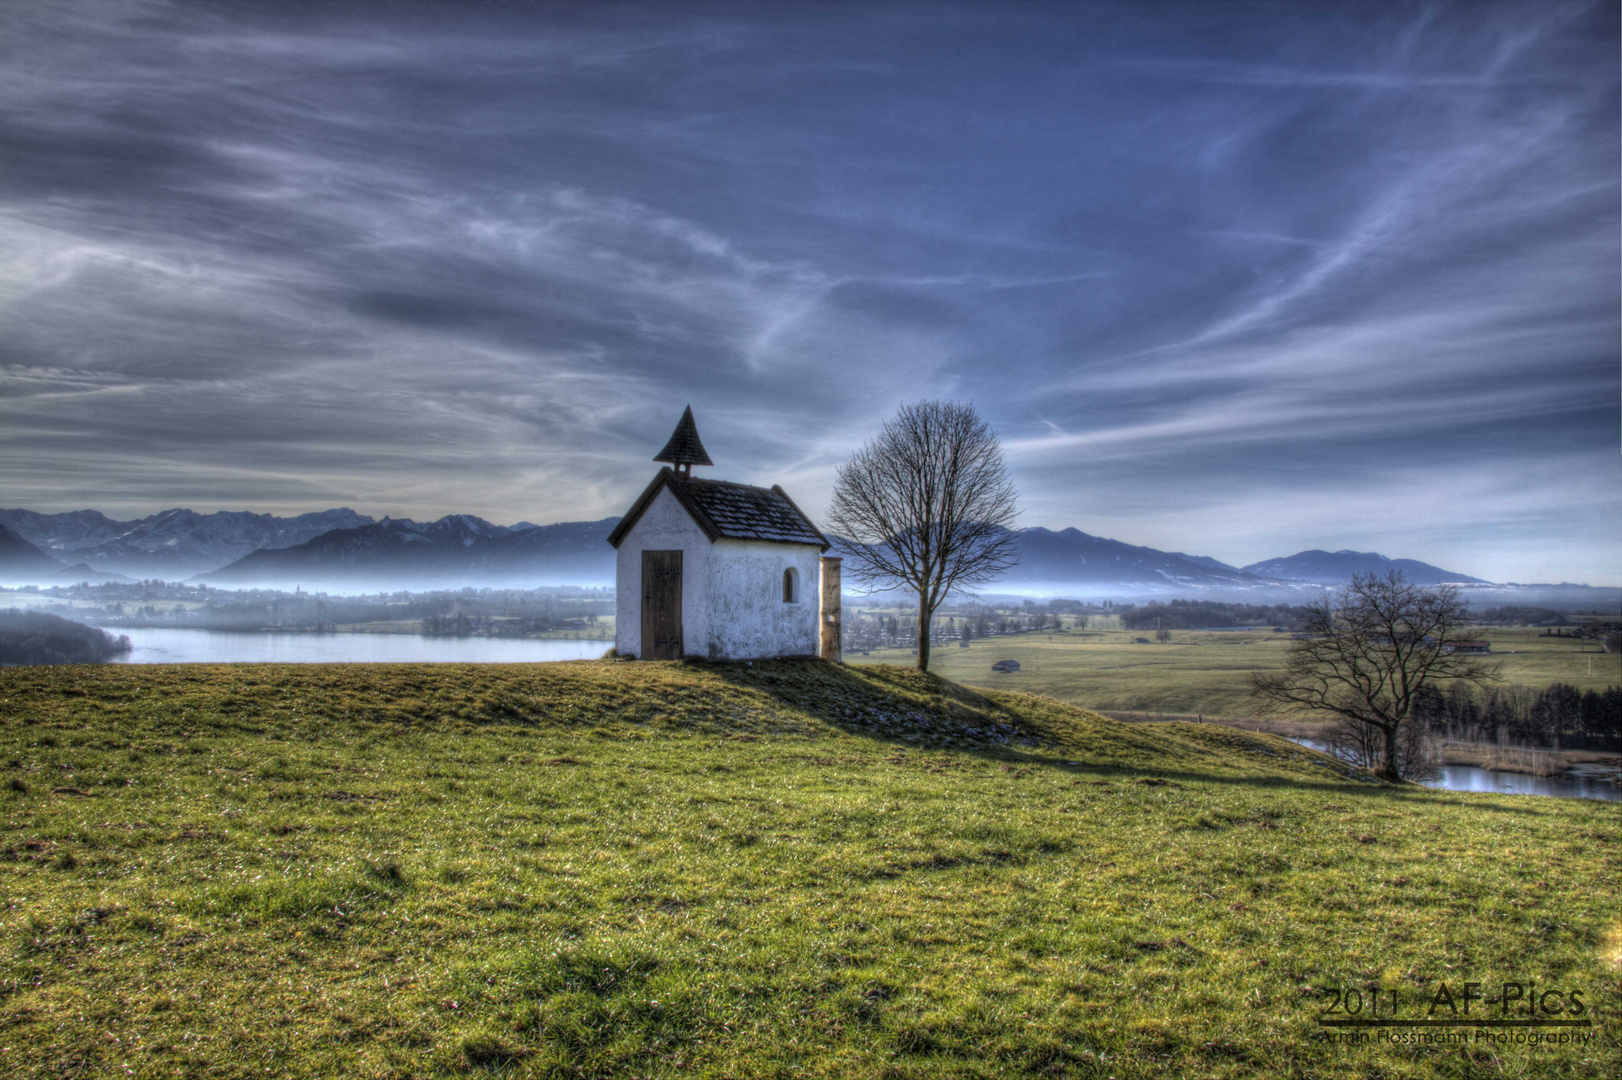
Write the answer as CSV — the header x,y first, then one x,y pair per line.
x,y
913,710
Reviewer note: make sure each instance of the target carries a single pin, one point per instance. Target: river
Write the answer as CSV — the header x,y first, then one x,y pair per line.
x,y
1473,778
165,646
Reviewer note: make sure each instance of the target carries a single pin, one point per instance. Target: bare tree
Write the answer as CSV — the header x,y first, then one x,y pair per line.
x,y
1366,652
926,506
1418,757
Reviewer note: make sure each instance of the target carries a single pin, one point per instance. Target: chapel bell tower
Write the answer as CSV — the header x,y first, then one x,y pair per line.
x,y
684,450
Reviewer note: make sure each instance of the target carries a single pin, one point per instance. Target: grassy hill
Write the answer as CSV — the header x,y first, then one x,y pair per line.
x,y
777,869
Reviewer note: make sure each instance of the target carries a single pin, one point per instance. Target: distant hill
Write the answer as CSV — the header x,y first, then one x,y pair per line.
x,y
1337,567
567,553
1209,563
22,563
1071,563
33,637
1074,561
454,551
82,573
174,544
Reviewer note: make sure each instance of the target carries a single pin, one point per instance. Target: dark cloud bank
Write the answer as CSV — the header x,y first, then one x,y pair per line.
x,y
1231,279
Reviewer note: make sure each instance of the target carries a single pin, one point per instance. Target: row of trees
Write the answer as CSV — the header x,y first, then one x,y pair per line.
x,y
863,633
1559,716
985,624
475,624
1520,615
1201,614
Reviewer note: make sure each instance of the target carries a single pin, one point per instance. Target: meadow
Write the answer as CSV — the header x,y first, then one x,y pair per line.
x,y
736,870
1207,672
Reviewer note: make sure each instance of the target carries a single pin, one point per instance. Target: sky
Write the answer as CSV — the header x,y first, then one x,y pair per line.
x,y
1229,279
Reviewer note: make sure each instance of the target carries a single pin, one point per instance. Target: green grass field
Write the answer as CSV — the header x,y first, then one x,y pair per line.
x,y
1206,673
780,869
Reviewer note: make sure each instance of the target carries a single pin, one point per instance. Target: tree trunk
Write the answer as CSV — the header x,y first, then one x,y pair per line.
x,y
923,634
1388,766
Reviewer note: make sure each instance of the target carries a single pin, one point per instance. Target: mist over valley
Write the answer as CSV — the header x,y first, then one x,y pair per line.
x,y
341,552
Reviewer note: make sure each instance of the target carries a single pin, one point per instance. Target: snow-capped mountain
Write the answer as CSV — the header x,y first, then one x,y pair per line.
x,y
173,544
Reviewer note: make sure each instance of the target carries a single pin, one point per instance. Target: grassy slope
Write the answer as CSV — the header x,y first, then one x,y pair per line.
x,y
666,869
1208,672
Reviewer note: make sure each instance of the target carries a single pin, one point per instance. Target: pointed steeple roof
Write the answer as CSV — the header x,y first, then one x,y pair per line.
x,y
684,447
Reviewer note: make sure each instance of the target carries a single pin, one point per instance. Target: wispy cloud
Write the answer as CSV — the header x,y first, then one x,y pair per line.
x,y
1236,273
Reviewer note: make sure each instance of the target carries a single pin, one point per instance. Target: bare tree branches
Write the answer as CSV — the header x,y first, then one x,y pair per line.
x,y
927,505
1368,650
1364,746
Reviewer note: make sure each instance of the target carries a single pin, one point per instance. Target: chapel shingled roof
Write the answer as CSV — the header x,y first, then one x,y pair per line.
x,y
684,447
751,513
724,509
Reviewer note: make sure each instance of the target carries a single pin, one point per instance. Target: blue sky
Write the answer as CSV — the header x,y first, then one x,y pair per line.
x,y
1230,279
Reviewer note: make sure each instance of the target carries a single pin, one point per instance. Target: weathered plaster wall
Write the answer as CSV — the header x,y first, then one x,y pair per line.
x,y
748,617
732,590
664,526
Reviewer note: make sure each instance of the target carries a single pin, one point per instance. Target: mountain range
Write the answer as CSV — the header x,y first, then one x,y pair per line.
x,y
454,551
22,561
1070,562
340,550
1069,559
465,550
1322,566
173,544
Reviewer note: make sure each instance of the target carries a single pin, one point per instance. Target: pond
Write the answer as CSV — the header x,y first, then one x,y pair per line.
x,y
1473,778
175,646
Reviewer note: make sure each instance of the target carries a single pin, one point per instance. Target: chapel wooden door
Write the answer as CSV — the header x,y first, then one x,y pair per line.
x,y
661,605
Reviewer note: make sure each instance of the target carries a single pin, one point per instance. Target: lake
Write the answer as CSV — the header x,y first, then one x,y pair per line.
x,y
164,646
1473,778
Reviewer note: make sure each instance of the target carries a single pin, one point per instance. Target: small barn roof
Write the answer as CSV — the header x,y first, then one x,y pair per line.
x,y
727,510
684,447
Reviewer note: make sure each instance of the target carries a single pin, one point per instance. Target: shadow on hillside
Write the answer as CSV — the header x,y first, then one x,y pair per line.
x,y
839,697
855,703
901,707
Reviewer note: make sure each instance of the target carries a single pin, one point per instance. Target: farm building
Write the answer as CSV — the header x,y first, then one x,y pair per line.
x,y
720,570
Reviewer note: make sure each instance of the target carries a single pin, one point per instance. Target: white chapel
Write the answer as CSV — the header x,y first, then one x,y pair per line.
x,y
719,570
